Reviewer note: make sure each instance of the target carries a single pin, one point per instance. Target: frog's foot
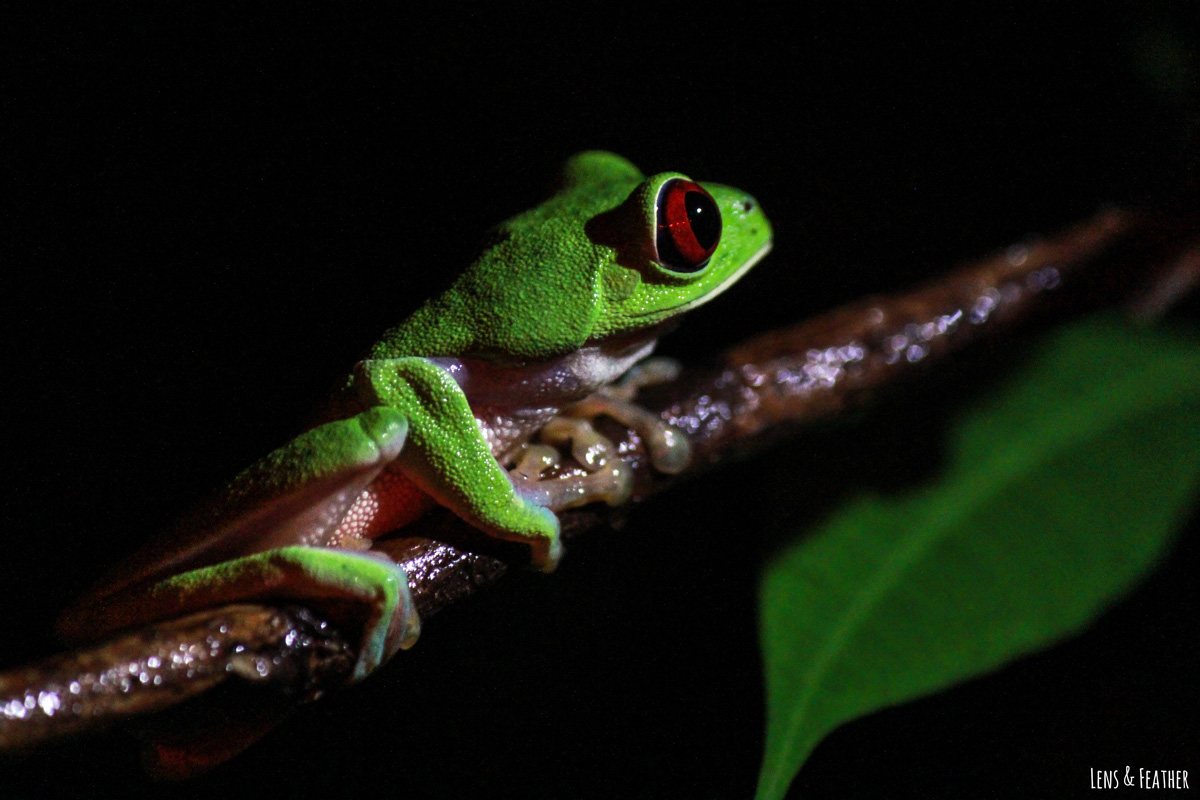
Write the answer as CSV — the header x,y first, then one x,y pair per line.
x,y
541,535
608,477
669,449
524,518
610,480
362,590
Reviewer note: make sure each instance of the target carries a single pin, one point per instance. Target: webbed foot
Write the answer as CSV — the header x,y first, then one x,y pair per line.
x,y
670,451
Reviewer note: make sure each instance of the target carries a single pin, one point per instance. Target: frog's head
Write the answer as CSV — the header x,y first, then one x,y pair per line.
x,y
669,245
610,254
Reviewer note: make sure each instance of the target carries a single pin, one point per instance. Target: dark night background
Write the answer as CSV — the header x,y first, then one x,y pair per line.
x,y
208,218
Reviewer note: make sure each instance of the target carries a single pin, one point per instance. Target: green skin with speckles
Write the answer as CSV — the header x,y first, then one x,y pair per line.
x,y
579,270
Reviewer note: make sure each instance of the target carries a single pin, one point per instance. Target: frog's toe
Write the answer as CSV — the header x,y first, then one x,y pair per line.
x,y
394,632
554,554
669,449
612,484
393,624
546,547
405,627
379,645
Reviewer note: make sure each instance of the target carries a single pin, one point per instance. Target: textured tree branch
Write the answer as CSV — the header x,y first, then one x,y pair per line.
x,y
764,388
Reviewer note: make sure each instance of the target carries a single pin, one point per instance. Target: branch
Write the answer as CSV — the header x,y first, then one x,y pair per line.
x,y
763,389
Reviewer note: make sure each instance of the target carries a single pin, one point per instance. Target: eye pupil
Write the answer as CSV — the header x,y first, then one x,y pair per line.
x,y
706,222
689,226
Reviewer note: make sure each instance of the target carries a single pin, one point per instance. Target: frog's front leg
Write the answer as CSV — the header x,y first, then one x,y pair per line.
x,y
668,449
607,477
447,456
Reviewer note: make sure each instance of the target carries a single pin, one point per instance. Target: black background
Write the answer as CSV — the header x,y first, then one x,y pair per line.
x,y
209,216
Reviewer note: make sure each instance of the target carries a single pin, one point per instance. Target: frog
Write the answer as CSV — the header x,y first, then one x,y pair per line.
x,y
466,404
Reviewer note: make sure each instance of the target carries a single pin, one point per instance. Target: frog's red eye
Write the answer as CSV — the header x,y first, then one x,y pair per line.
x,y
689,226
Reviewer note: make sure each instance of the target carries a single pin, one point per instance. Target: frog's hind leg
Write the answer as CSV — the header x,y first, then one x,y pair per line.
x,y
361,590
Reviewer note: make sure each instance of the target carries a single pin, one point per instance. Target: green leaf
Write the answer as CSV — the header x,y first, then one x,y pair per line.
x,y
1061,491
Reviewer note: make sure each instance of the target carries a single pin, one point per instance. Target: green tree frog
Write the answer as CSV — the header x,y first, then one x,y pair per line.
x,y
529,341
